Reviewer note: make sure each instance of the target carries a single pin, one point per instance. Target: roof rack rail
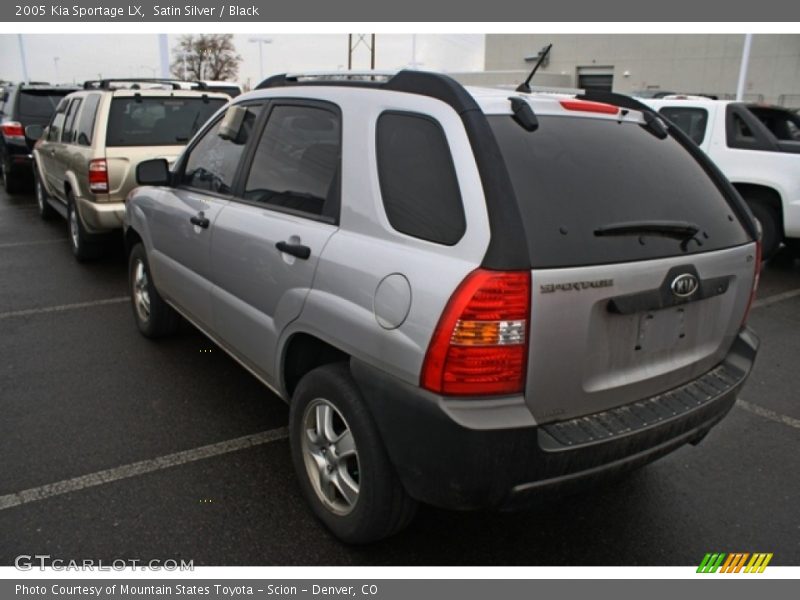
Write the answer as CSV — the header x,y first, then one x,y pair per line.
x,y
423,83
107,84
328,78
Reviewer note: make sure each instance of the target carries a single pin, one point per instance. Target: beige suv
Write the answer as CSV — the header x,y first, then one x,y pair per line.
x,y
85,160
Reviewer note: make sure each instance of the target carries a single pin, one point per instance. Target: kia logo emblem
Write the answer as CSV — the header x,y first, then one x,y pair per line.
x,y
684,285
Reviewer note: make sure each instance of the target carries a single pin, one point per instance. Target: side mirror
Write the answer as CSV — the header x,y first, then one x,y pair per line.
x,y
230,128
34,132
153,172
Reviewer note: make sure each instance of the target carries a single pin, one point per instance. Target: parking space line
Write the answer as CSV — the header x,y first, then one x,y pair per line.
x,y
776,298
62,307
142,467
768,414
33,243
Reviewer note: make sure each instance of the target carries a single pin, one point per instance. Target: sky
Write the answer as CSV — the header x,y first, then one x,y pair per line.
x,y
74,58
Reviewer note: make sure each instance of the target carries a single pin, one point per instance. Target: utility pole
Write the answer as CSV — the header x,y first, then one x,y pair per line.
x,y
360,38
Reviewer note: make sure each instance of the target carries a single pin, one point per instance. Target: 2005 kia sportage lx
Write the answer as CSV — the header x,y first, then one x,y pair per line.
x,y
465,297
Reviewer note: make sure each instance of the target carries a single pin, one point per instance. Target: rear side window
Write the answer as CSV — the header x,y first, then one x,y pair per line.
x,y
576,175
69,123
213,160
417,178
85,129
296,164
57,123
692,121
38,104
157,121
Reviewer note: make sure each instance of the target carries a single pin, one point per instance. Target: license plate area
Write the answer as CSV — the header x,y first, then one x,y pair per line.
x,y
660,330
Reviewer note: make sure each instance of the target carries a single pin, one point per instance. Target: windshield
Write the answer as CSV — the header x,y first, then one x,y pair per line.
x,y
157,121
575,176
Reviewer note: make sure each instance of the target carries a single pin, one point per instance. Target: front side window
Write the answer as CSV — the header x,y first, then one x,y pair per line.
x,y
296,164
417,178
157,120
213,160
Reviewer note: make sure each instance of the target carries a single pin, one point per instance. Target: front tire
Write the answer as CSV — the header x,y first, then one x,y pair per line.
x,y
340,461
154,317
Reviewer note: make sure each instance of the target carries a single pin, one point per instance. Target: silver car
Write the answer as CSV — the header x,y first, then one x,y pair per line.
x,y
468,299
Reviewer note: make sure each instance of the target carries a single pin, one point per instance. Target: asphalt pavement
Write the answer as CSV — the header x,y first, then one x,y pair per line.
x,y
163,451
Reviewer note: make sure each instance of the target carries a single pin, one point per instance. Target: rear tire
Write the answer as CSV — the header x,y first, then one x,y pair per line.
x,y
771,231
84,248
154,317
46,212
340,461
11,182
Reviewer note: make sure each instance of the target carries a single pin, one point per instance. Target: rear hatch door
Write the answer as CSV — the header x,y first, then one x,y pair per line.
x,y
642,270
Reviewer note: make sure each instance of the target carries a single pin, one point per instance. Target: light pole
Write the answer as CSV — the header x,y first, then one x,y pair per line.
x,y
22,59
55,63
260,41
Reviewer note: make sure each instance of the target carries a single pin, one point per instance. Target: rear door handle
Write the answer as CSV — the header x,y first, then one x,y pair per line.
x,y
298,250
200,220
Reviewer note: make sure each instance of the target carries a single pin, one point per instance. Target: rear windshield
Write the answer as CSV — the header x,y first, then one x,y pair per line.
x,y
40,103
574,175
161,121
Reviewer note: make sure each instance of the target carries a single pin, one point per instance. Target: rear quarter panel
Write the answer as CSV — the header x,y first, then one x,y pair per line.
x,y
340,308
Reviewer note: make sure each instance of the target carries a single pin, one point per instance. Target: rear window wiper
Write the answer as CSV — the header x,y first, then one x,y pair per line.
x,y
679,230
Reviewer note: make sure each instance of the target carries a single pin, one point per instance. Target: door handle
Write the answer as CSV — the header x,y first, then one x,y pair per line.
x,y
299,250
200,220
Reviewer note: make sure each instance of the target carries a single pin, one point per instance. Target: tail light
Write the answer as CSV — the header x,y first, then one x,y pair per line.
x,y
756,277
98,175
589,106
480,345
13,129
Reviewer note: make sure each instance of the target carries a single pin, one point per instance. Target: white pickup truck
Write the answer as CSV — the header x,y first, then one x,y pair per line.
x,y
757,147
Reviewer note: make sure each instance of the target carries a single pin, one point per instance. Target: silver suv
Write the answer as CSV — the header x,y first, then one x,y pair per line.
x,y
467,298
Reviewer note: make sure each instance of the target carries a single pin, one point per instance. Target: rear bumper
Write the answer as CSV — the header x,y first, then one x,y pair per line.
x,y
101,217
452,462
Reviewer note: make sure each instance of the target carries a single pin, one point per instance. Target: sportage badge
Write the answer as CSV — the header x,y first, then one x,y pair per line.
x,y
684,285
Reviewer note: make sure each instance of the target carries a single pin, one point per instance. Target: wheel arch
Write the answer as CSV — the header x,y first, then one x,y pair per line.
x,y
764,194
302,353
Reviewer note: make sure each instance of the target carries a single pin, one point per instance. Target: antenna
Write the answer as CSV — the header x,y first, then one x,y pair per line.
x,y
525,87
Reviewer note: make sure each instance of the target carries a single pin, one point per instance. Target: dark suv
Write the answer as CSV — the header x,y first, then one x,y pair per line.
x,y
22,105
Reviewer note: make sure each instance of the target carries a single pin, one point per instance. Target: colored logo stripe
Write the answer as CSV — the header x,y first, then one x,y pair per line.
x,y
734,562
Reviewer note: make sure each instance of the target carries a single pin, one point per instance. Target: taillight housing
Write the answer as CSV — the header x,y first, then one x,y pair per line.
x,y
98,176
13,129
480,344
756,278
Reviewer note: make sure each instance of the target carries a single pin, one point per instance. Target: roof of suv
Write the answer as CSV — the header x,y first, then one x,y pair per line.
x,y
462,99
